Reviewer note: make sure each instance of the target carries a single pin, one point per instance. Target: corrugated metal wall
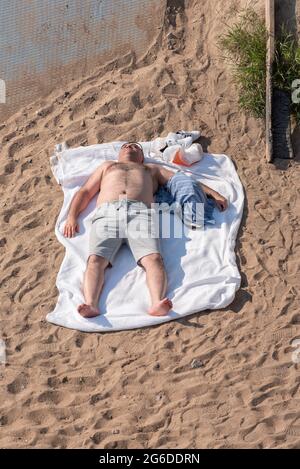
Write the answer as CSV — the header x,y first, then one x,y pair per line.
x,y
46,42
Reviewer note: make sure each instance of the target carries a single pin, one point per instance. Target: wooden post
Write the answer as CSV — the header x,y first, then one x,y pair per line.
x,y
270,25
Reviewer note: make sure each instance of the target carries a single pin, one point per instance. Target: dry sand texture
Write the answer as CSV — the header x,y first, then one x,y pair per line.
x,y
62,388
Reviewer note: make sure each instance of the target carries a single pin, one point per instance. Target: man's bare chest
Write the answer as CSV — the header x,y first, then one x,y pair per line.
x,y
122,171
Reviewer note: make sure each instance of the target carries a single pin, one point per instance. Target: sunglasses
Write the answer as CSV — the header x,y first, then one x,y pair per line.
x,y
133,144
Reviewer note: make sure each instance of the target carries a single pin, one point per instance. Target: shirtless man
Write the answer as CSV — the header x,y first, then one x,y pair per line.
x,y
131,184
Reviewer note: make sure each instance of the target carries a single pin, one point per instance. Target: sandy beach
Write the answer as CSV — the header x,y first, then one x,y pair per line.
x,y
140,389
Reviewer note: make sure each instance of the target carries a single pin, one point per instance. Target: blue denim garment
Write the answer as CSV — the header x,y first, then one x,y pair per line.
x,y
185,189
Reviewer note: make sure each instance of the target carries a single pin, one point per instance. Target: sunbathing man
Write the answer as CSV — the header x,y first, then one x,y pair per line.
x,y
128,184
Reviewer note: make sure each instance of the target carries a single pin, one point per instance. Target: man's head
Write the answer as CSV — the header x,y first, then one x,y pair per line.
x,y
131,152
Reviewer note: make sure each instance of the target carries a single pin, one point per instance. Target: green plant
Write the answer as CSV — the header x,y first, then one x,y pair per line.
x,y
245,47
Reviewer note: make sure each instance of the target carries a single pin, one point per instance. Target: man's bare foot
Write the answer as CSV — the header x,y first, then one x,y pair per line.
x,y
88,311
161,308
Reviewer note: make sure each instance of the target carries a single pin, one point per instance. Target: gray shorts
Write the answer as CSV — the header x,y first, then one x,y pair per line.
x,y
120,221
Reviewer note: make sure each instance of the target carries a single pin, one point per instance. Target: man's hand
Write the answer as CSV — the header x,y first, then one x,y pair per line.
x,y
221,202
71,227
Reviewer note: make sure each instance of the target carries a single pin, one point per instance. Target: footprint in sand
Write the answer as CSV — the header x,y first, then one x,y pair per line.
x,y
19,384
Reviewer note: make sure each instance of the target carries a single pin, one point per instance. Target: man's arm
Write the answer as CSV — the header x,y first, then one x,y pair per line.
x,y
221,202
81,200
163,175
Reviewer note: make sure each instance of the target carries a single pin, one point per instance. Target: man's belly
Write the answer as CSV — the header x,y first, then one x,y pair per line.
x,y
135,190
130,195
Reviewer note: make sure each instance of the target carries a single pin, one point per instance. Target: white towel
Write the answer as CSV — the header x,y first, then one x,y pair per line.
x,y
201,268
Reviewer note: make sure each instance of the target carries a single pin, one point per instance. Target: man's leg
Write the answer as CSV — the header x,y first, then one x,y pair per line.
x,y
156,278
92,286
